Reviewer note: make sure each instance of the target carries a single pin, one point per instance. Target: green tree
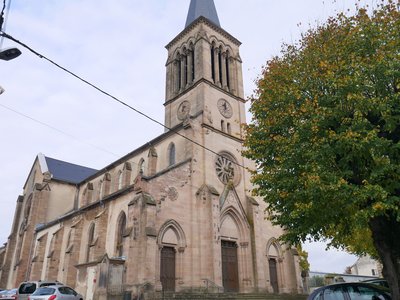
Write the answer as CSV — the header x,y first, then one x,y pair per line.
x,y
325,136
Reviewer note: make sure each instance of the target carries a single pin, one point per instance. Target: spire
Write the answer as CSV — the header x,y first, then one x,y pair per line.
x,y
202,8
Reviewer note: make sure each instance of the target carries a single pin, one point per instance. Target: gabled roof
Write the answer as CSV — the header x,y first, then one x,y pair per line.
x,y
202,8
67,172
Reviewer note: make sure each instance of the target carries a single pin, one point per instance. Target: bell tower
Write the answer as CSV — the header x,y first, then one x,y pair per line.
x,y
204,73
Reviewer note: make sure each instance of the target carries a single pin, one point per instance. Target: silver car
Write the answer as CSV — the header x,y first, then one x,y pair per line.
x,y
58,292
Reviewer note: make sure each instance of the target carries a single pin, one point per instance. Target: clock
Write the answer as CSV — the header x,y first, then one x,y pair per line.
x,y
225,108
183,110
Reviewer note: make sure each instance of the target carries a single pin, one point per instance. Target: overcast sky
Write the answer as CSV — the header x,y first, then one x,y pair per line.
x,y
119,46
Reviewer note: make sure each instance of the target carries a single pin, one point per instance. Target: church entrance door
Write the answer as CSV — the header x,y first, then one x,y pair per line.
x,y
230,274
273,274
167,272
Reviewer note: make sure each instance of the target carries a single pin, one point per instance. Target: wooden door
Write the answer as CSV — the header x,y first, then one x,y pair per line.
x,y
230,274
167,271
273,275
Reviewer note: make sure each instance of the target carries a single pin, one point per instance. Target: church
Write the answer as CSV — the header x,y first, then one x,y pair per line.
x,y
176,214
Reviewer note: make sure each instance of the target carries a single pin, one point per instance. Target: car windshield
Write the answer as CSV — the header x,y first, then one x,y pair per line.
x,y
43,291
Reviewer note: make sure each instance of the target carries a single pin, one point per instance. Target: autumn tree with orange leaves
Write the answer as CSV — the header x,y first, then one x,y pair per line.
x,y
325,136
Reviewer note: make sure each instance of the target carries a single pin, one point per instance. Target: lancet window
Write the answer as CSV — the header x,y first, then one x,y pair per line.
x,y
222,66
184,69
121,234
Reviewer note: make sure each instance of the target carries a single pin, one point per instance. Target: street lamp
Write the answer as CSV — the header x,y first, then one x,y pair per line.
x,y
9,53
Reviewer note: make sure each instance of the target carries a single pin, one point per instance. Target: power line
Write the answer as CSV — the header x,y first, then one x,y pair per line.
x,y
3,34
58,130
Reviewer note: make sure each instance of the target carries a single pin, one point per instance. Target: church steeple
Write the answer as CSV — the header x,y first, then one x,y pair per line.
x,y
202,8
204,74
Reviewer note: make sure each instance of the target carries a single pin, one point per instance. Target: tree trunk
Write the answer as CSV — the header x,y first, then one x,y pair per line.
x,y
386,237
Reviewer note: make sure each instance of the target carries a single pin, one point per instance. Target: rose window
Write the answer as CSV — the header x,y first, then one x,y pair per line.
x,y
226,168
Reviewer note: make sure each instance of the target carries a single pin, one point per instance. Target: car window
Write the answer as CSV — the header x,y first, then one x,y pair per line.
x,y
63,290
333,293
364,293
42,291
70,291
27,288
319,296
48,283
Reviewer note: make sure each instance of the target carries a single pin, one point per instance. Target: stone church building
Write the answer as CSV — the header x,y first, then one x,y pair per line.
x,y
175,214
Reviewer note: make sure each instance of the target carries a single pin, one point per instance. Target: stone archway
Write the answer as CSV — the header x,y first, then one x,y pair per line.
x,y
274,265
171,241
235,251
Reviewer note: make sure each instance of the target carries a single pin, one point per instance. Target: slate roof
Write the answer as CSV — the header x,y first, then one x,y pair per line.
x,y
68,172
205,8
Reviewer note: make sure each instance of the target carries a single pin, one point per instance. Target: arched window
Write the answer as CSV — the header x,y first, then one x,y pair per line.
x,y
179,71
141,166
228,127
121,228
91,240
70,245
213,63
220,65
171,154
222,125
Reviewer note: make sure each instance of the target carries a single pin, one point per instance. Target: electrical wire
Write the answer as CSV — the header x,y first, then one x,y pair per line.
x,y
3,34
58,130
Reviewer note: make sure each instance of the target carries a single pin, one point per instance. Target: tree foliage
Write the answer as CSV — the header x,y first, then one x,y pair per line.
x,y
325,135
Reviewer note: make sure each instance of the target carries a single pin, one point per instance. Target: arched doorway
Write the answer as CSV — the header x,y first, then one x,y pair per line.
x,y
273,275
232,247
172,243
230,268
167,268
274,261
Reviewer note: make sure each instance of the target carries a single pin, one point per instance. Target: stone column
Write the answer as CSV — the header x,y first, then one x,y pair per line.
x,y
231,75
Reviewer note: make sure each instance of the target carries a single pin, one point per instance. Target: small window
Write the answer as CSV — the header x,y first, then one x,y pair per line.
x,y
141,166
222,125
121,234
120,178
27,288
171,154
91,241
228,127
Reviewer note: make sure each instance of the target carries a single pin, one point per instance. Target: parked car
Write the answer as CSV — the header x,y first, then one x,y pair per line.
x,y
8,294
350,291
378,281
58,292
27,288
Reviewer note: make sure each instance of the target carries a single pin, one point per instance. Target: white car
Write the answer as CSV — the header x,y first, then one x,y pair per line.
x,y
58,292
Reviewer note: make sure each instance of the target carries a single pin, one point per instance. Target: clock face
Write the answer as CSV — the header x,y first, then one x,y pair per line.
x,y
225,108
183,110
